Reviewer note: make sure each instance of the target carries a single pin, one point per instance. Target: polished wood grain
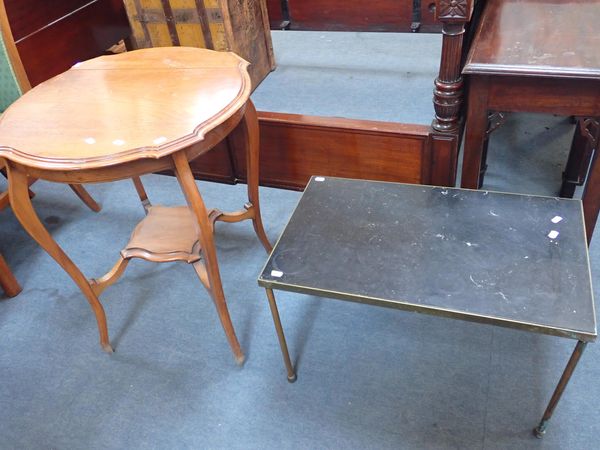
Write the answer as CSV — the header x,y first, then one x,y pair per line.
x,y
113,119
294,147
166,234
125,115
536,56
557,38
23,209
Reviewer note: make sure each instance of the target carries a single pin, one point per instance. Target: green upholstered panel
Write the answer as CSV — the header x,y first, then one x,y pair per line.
x,y
9,86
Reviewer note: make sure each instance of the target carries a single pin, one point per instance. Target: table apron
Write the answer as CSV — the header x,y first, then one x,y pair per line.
x,y
569,97
432,311
118,170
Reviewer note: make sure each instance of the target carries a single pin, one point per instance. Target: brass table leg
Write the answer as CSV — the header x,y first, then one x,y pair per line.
x,y
23,209
564,379
207,243
291,375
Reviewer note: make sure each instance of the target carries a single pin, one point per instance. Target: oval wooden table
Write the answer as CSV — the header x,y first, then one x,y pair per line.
x,y
123,116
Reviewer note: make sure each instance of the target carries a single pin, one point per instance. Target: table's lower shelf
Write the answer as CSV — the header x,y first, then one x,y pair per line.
x,y
166,234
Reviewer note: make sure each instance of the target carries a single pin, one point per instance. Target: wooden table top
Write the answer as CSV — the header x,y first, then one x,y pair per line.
x,y
551,38
115,109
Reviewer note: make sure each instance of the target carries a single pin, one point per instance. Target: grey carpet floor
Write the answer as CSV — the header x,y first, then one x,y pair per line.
x,y
367,377
375,76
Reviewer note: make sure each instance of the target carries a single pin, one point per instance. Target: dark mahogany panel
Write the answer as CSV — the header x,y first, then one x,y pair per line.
x,y
275,13
354,15
215,165
294,147
28,16
85,34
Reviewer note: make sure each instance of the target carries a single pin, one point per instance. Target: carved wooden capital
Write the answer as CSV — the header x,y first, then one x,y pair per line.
x,y
454,10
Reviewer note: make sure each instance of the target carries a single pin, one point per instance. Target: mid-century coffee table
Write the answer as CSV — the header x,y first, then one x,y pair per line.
x,y
511,260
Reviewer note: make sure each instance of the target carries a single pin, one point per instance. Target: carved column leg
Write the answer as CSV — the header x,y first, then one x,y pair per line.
x,y
475,133
448,92
447,102
23,209
209,254
249,125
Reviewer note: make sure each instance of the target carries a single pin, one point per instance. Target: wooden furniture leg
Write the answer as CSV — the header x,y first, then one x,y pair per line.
x,y
4,201
85,197
475,133
577,164
483,163
79,190
23,209
247,135
9,283
591,191
139,188
209,254
249,126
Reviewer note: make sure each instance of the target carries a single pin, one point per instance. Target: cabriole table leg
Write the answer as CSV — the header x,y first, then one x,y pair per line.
x,y
207,243
249,125
18,189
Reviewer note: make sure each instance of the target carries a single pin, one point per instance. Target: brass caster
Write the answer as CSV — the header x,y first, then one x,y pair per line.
x,y
292,379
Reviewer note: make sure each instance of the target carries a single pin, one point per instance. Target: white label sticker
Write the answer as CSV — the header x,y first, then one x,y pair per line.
x,y
556,219
276,273
319,178
553,234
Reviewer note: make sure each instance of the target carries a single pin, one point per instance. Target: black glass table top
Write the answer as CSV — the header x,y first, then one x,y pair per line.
x,y
507,259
